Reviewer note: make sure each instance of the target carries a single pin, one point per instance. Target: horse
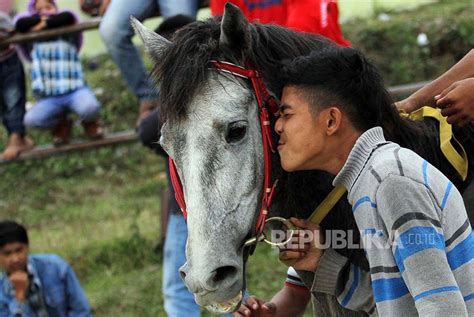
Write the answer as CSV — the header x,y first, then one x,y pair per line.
x,y
214,134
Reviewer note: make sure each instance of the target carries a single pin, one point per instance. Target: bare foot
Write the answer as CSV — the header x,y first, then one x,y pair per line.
x,y
17,144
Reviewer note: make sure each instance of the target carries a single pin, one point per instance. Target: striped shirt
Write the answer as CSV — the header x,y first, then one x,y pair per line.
x,y
414,229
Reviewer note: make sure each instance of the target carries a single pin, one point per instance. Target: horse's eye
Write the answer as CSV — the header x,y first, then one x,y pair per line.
x,y
236,132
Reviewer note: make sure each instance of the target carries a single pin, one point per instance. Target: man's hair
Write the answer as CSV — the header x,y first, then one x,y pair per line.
x,y
342,77
11,231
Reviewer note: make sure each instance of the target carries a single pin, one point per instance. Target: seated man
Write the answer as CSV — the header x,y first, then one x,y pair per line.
x,y
37,285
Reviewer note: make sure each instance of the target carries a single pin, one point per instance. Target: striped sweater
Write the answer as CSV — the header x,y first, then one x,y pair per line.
x,y
415,231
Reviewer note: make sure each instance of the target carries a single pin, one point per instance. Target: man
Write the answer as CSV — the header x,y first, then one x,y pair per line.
x,y
413,223
117,33
37,285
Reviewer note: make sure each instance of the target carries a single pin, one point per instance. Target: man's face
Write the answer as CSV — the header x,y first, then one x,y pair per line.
x,y
302,133
45,7
13,257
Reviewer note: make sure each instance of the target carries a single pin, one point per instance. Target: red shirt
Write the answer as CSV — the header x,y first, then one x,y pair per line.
x,y
313,16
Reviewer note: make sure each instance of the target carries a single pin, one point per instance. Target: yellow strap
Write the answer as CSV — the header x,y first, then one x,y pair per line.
x,y
326,205
458,160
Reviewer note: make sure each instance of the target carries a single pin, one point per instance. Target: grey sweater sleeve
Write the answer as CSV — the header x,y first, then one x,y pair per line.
x,y
419,246
350,284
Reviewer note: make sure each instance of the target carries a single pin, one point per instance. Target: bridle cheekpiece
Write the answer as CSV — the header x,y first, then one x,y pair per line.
x,y
267,104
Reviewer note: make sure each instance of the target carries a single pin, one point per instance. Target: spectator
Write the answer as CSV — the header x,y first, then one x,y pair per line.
x,y
117,33
395,194
57,77
452,92
12,95
291,300
313,16
36,285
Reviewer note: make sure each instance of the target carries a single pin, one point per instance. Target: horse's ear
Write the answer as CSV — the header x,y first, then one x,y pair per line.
x,y
154,43
234,28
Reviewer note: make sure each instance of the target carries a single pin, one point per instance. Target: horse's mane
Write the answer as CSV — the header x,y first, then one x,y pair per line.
x,y
183,69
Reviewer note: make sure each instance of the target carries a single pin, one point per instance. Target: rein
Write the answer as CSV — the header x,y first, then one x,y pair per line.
x,y
266,104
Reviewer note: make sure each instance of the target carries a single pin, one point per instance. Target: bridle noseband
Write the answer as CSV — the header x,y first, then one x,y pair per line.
x,y
266,104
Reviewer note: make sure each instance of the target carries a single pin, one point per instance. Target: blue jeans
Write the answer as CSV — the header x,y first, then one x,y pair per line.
x,y
12,94
117,34
178,300
46,112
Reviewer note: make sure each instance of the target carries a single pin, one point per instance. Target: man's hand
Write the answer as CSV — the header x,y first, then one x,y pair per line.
x,y
254,307
303,252
408,105
19,280
40,26
457,102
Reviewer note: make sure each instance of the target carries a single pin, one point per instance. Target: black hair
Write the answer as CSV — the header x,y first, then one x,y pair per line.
x,y
11,231
343,76
172,24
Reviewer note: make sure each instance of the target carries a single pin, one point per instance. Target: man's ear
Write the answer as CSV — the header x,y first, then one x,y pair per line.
x,y
333,120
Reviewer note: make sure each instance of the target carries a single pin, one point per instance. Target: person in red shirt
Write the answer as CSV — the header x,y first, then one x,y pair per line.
x,y
312,16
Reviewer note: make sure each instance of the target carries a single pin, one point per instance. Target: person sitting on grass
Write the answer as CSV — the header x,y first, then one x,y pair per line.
x,y
57,77
37,285
12,95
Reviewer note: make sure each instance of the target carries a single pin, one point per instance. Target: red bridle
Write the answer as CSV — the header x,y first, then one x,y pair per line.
x,y
266,104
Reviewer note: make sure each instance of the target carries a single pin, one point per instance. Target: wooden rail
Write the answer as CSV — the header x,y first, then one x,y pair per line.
x,y
20,38
77,146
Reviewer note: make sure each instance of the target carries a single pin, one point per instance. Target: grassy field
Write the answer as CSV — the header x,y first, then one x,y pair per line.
x,y
100,210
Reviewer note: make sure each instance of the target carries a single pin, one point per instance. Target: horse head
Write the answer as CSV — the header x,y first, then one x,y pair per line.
x,y
212,131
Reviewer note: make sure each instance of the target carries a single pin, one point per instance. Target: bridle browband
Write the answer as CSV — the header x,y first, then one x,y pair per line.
x,y
266,104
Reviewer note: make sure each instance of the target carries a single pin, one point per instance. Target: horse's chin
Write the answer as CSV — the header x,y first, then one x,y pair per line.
x,y
225,307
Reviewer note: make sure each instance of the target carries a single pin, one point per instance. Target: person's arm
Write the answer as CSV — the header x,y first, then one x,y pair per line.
x,y
289,301
457,102
408,210
425,96
17,306
60,19
326,271
77,304
25,24
351,285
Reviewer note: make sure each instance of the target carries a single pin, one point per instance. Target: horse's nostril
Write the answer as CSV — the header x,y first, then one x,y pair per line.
x,y
223,273
182,274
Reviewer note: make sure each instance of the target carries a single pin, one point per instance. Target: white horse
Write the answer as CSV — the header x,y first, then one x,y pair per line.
x,y
213,133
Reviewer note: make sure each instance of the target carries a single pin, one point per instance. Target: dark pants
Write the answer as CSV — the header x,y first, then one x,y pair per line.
x,y
12,94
